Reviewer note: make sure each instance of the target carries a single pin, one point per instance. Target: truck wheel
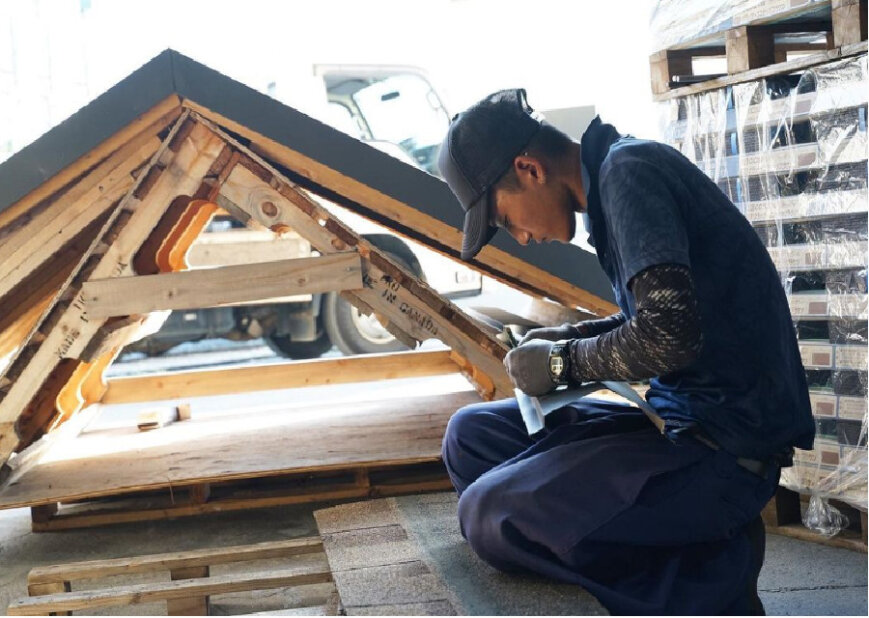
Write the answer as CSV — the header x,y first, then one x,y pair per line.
x,y
282,345
354,333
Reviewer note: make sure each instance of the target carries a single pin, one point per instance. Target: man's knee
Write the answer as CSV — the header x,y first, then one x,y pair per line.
x,y
482,520
464,428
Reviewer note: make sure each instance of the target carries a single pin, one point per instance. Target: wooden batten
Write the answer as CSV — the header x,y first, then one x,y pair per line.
x,y
226,285
284,375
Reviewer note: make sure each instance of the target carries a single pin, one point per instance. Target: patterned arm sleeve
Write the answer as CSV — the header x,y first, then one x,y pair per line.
x,y
664,336
593,328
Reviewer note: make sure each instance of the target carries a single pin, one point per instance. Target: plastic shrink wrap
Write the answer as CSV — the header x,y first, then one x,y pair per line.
x,y
675,23
791,153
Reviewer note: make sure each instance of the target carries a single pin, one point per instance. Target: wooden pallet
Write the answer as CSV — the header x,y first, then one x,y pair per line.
x,y
347,483
752,52
783,515
190,581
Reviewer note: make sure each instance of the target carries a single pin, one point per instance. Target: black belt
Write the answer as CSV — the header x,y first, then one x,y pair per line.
x,y
754,466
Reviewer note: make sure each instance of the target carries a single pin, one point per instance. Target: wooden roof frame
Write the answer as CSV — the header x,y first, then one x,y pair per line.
x,y
127,183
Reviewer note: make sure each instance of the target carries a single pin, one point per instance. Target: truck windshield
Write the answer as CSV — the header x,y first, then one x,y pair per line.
x,y
404,110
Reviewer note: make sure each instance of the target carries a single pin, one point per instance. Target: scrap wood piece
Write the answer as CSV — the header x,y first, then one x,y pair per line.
x,y
154,418
390,290
221,286
182,165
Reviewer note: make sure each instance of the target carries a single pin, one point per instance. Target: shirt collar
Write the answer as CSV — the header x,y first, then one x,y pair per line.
x,y
586,185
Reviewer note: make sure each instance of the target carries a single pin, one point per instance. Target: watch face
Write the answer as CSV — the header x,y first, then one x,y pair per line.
x,y
556,365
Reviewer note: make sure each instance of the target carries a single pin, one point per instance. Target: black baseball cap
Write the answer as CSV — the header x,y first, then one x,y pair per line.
x,y
479,148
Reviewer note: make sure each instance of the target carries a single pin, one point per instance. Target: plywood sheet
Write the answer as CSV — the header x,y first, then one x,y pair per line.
x,y
241,444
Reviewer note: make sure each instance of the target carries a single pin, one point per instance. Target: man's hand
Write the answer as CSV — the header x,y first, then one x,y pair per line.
x,y
528,367
552,333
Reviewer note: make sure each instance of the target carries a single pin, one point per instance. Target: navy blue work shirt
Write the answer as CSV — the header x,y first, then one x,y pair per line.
x,y
747,389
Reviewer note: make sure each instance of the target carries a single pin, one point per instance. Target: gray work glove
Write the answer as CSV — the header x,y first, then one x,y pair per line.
x,y
552,333
528,367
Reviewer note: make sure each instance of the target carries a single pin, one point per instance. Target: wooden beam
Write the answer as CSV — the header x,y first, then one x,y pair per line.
x,y
414,224
749,47
285,375
167,591
849,21
164,113
226,285
180,166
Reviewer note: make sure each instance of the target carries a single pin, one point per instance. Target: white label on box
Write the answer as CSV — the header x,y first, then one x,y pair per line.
x,y
852,408
846,254
816,355
807,205
803,305
852,356
849,305
806,458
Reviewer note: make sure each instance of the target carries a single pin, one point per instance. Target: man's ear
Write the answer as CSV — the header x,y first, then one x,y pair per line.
x,y
529,169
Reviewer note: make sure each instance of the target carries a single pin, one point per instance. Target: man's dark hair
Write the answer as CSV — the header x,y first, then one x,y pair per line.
x,y
547,144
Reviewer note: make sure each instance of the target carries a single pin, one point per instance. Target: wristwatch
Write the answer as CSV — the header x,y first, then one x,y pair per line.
x,y
559,362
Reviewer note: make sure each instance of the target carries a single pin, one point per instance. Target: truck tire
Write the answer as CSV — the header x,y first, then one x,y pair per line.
x,y
354,333
282,345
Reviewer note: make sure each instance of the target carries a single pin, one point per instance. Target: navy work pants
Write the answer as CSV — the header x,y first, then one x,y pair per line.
x,y
647,525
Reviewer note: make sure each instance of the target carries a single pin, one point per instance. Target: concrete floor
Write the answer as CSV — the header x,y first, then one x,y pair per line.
x,y
799,578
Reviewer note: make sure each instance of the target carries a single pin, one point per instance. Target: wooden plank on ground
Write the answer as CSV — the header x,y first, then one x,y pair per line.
x,y
314,573
225,285
73,571
252,443
279,376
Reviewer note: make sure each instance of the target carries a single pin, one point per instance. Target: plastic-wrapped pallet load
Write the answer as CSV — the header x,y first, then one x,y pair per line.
x,y
791,153
676,22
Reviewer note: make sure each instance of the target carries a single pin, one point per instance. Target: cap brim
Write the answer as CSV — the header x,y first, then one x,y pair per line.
x,y
477,230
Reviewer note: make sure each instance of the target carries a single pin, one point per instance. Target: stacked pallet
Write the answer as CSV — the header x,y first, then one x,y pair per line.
x,y
789,148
